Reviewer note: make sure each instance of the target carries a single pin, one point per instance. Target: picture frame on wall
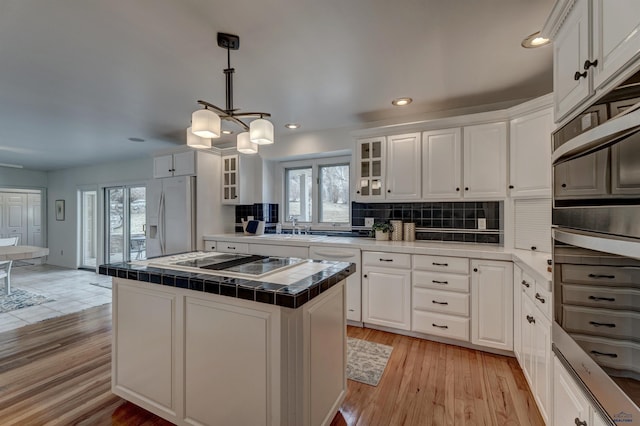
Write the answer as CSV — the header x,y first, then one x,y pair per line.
x,y
59,209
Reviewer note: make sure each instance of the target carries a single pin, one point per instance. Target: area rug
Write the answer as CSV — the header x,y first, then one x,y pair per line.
x,y
366,361
19,299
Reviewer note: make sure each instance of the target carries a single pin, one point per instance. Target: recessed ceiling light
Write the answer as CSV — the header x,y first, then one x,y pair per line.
x,y
534,40
292,126
401,101
136,139
227,132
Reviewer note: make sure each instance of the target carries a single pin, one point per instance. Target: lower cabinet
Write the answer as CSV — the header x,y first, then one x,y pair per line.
x,y
492,304
386,291
571,407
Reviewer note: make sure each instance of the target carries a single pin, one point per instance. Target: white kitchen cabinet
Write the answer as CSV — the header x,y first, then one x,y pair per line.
x,y
442,164
370,169
386,291
517,312
616,36
582,177
230,179
530,154
241,179
144,368
571,406
403,167
354,281
571,46
177,164
485,161
492,304
232,247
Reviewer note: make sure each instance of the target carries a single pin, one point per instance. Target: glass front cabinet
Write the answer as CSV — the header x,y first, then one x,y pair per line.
x,y
370,184
230,179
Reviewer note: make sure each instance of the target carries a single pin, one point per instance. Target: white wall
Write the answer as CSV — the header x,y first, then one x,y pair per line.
x,y
22,178
64,185
299,145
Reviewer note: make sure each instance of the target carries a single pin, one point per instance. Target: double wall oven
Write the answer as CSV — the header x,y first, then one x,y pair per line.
x,y
596,252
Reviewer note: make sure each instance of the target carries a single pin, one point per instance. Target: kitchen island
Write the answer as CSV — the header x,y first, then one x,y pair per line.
x,y
207,348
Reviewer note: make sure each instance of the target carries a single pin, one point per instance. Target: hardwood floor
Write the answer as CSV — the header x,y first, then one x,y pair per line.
x,y
59,371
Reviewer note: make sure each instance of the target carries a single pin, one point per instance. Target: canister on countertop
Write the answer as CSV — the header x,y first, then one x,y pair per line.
x,y
396,235
409,231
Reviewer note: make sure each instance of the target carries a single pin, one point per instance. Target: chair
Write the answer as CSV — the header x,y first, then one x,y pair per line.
x,y
5,266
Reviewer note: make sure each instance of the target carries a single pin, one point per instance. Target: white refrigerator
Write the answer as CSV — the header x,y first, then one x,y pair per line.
x,y
171,221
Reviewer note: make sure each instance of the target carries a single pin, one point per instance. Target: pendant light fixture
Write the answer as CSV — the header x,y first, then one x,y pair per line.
x,y
244,145
206,122
195,141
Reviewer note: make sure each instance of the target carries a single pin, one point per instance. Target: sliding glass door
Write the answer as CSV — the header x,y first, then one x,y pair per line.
x,y
125,223
88,228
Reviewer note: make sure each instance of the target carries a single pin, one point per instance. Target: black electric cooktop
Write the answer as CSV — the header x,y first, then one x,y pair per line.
x,y
241,263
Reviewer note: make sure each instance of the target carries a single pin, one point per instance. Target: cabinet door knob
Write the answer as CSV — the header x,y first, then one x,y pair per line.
x,y
540,298
357,192
511,186
531,319
364,276
580,423
388,190
526,284
458,189
578,75
475,269
588,64
564,185
466,188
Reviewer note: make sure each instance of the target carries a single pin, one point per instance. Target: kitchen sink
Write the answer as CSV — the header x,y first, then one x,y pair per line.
x,y
292,237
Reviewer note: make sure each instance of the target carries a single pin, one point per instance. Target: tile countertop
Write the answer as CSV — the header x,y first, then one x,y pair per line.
x,y
532,262
291,288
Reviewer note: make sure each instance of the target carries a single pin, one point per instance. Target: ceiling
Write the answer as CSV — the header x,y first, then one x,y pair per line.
x,y
78,78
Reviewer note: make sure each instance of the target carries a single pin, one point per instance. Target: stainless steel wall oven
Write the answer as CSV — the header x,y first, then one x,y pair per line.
x,y
596,253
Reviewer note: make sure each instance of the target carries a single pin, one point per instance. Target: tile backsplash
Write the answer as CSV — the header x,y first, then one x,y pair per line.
x,y
442,221
260,211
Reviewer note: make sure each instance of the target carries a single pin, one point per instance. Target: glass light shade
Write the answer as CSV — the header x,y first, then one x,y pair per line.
x,y
261,131
244,144
195,141
205,123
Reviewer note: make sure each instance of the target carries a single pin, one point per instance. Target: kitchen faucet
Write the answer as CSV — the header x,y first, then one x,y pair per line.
x,y
293,224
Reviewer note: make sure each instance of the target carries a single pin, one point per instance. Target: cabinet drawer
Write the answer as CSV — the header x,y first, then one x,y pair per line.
x,y
210,245
601,322
227,247
543,300
601,297
441,325
609,275
441,281
445,302
621,355
386,260
456,265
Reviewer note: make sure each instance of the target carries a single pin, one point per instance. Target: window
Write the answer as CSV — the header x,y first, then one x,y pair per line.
x,y
317,192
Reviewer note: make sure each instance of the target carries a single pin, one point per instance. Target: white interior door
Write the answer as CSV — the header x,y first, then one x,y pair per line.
x,y
34,220
16,216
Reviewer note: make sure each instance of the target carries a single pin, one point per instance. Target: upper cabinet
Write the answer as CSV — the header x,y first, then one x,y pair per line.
x,y
616,36
530,159
230,179
571,46
370,169
594,43
442,164
239,176
178,164
388,168
485,161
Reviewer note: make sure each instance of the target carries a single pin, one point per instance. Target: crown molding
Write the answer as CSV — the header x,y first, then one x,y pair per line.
x,y
556,18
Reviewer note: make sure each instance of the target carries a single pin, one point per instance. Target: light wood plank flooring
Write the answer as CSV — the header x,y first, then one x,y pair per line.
x,y
58,372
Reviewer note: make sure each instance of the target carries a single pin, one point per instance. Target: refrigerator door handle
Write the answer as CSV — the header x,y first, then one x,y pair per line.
x,y
161,223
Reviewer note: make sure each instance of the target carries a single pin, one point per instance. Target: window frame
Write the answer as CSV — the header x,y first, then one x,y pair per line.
x,y
315,164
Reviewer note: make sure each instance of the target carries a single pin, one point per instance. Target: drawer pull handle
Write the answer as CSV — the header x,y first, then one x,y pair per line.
x,y
540,298
526,284
602,324
596,353
231,247
440,326
440,282
386,260
606,299
439,264
531,319
439,303
610,277
578,421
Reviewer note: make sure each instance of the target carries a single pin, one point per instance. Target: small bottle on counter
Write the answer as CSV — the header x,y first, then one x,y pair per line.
x,y
278,228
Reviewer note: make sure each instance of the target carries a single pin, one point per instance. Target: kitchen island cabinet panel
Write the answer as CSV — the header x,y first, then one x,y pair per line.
x,y
143,349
